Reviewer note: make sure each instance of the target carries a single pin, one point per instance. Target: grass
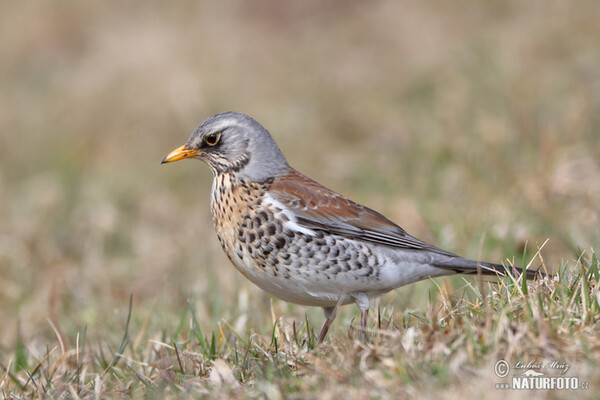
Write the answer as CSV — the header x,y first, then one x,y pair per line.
x,y
455,339
474,126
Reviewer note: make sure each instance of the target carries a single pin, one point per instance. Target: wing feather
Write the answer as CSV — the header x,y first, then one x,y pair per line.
x,y
319,208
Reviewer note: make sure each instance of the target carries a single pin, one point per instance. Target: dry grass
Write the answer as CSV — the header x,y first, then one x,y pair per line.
x,y
452,343
475,126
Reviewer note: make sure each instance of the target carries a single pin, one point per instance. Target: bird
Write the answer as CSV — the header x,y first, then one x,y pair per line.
x,y
300,241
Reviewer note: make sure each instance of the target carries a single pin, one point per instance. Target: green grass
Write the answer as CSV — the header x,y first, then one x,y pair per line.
x,y
474,126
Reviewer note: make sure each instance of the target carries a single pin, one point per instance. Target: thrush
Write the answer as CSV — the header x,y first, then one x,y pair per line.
x,y
300,241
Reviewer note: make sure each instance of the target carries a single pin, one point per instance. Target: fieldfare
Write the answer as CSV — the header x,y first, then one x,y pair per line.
x,y
298,240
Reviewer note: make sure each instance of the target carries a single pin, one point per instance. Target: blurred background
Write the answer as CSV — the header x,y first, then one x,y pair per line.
x,y
473,125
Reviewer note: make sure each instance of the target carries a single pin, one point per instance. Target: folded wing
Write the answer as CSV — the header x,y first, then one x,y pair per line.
x,y
319,208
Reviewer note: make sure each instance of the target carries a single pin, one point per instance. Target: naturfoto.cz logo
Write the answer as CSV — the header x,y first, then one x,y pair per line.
x,y
530,379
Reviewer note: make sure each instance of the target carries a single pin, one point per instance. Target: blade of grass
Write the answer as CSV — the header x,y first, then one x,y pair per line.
x,y
198,331
124,340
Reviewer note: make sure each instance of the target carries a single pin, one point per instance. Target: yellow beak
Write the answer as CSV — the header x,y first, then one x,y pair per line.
x,y
179,154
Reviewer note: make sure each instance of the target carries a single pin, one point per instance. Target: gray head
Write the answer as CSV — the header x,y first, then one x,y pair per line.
x,y
231,142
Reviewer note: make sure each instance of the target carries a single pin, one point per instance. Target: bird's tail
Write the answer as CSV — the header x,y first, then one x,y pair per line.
x,y
472,267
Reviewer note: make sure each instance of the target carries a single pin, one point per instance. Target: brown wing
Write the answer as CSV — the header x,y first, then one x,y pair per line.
x,y
322,209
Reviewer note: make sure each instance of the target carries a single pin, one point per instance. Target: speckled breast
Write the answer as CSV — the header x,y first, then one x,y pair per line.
x,y
291,265
246,227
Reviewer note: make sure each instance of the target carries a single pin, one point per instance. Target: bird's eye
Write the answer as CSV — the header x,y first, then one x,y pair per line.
x,y
212,139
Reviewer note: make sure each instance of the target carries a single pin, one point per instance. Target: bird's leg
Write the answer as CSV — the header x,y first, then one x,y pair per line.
x,y
363,319
329,317
363,303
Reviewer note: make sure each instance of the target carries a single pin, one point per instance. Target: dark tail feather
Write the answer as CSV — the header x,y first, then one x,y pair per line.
x,y
471,267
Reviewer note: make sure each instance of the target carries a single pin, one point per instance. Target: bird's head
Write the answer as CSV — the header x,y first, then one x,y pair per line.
x,y
231,142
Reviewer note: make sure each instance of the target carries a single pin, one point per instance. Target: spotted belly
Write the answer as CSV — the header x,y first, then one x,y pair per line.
x,y
288,261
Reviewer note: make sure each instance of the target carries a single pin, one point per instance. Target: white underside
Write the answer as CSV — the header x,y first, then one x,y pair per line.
x,y
319,292
400,267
